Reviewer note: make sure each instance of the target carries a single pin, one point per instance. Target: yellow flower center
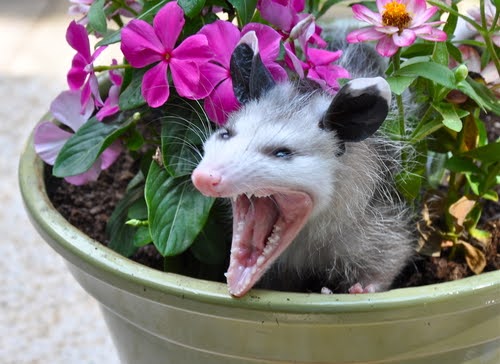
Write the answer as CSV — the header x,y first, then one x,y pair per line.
x,y
396,15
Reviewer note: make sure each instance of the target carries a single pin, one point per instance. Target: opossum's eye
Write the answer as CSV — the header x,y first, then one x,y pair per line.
x,y
282,153
225,134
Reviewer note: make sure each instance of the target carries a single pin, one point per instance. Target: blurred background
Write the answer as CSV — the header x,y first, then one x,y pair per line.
x,y
45,317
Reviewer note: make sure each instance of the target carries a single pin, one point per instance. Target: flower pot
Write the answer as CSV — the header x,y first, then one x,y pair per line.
x,y
157,317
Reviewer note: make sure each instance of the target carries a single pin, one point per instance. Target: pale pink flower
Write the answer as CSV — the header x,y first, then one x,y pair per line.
x,y
397,24
319,66
110,106
81,75
143,45
49,138
489,12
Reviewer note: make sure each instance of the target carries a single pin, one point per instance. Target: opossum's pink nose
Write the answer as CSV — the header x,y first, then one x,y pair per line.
x,y
206,181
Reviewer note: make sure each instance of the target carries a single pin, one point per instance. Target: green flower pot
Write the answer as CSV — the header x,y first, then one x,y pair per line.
x,y
157,317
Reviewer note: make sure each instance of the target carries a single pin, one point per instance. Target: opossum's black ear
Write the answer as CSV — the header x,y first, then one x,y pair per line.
x,y
358,109
251,79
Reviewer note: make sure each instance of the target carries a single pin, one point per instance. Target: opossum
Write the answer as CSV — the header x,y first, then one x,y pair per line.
x,y
310,181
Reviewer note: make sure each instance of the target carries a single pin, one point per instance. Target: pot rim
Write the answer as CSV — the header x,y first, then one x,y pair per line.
x,y
85,252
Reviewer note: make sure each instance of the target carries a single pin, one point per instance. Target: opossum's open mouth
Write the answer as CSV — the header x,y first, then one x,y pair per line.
x,y
263,227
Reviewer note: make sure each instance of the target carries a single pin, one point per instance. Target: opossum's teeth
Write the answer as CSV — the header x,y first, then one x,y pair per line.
x,y
263,227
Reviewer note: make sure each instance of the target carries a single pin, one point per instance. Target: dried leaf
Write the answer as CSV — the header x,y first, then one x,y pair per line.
x,y
460,209
475,257
471,134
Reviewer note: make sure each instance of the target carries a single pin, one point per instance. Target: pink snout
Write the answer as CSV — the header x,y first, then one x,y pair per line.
x,y
206,181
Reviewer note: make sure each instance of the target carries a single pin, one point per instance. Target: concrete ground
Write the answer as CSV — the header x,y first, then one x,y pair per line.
x,y
45,317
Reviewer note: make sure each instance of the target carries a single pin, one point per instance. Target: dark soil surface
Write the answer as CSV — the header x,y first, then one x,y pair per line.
x,y
89,207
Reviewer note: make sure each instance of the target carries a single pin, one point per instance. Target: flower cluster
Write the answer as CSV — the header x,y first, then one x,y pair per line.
x,y
175,72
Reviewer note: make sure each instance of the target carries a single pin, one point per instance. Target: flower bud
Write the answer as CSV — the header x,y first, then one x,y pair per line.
x,y
461,73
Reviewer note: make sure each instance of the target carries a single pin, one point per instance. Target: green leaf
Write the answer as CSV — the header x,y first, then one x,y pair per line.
x,y
490,195
121,235
86,145
142,237
450,117
400,84
480,94
244,10
212,244
488,153
474,183
426,129
180,144
326,5
440,54
191,7
97,17
462,165
131,98
111,37
177,211
409,183
438,73
451,23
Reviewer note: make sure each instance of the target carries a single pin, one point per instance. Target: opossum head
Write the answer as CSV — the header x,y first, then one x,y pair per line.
x,y
276,159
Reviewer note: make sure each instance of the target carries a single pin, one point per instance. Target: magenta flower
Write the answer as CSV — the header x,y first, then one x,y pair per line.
x,y
318,66
281,13
286,16
81,75
397,24
49,138
222,38
110,106
143,45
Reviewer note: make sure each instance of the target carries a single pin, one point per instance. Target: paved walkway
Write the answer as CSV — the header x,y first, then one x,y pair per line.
x,y
45,316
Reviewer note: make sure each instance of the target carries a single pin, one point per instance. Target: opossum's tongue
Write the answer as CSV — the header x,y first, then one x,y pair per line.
x,y
263,227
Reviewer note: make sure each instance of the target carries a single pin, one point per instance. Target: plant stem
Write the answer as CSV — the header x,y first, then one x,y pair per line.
x,y
486,33
399,98
112,67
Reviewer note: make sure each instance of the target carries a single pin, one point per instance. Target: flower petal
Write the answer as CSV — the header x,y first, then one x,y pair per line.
x,y
420,18
77,75
432,34
155,88
222,37
67,109
292,61
140,45
381,5
415,7
322,56
364,34
211,75
48,139
78,39
221,102
194,48
111,154
386,47
186,77
168,24
405,39
364,14
90,176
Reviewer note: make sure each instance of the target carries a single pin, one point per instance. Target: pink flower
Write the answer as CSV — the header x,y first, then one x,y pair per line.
x,y
397,24
143,45
318,66
222,38
281,13
285,15
489,13
82,7
81,75
49,138
110,106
